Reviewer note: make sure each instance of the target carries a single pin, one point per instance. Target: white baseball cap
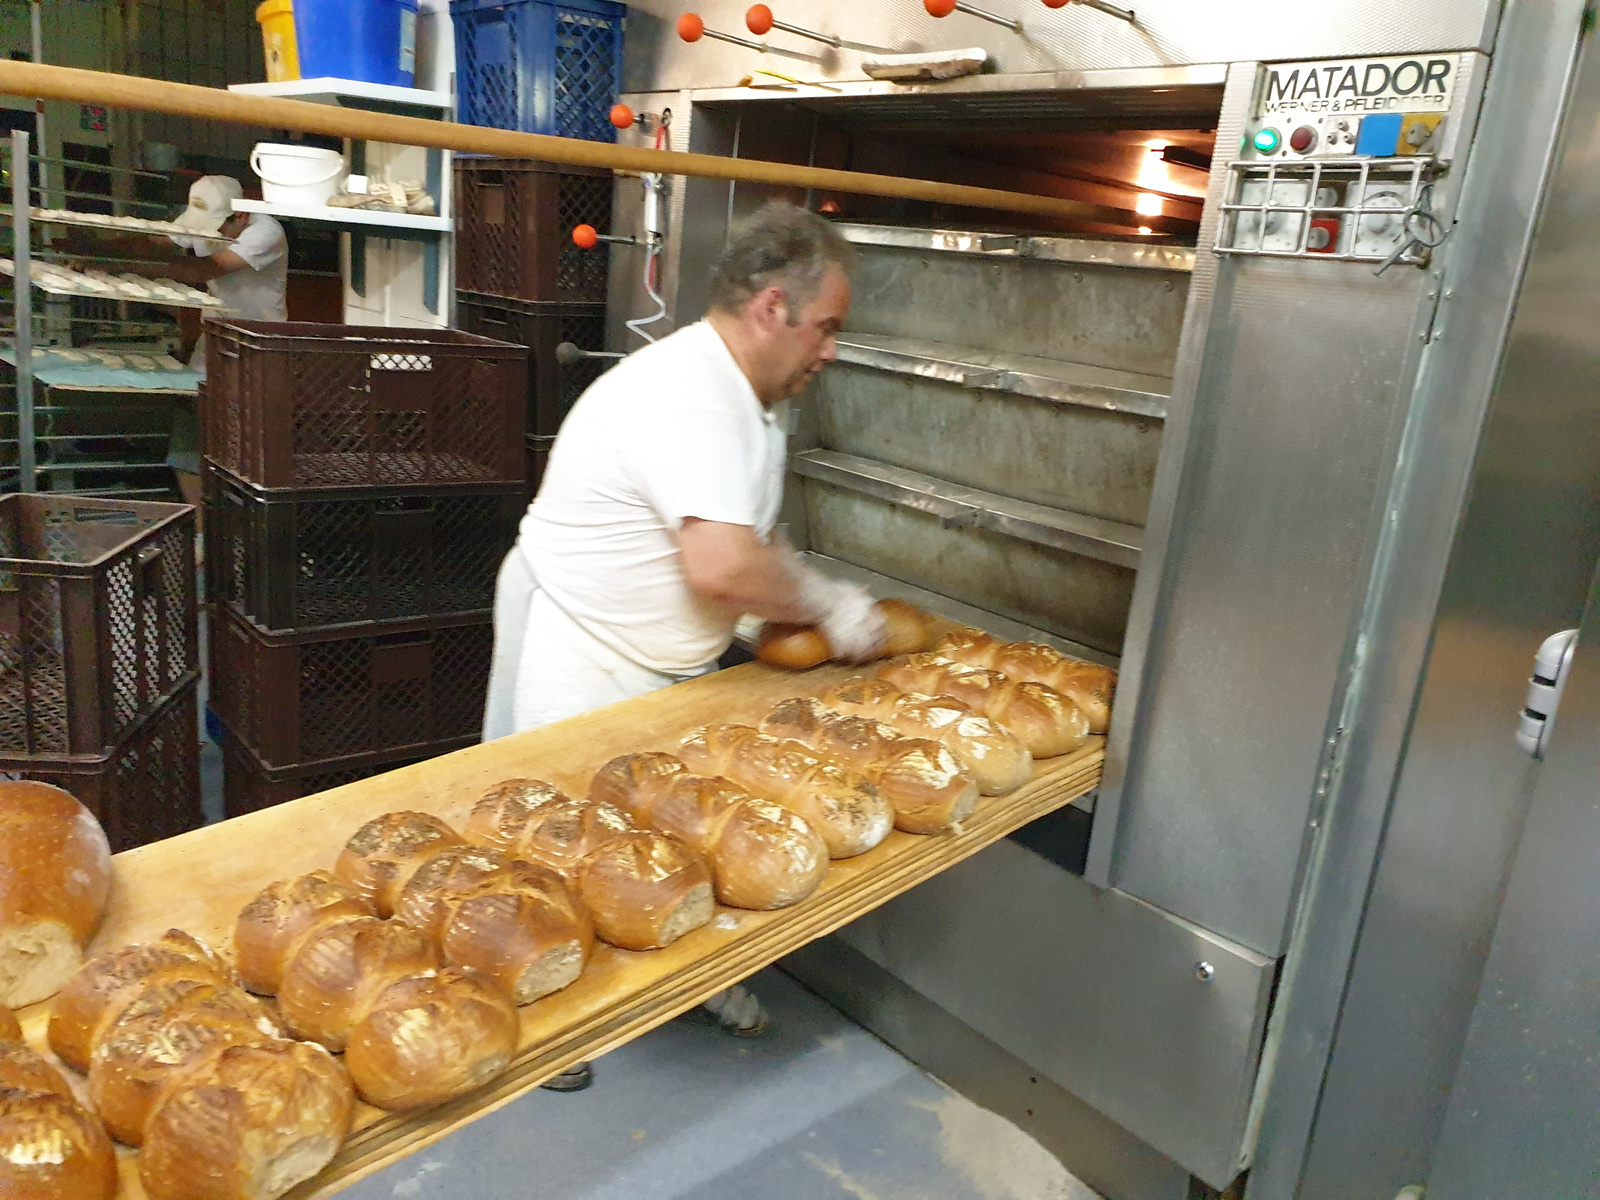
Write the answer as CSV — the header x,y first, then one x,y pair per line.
x,y
211,200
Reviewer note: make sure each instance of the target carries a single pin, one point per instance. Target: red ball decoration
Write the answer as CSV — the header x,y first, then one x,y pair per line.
x,y
939,8
690,27
759,19
1056,3
584,237
621,116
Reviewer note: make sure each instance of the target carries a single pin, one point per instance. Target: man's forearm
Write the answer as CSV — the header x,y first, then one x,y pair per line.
x,y
765,584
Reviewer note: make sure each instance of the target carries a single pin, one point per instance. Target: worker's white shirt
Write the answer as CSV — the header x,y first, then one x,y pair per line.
x,y
258,294
670,432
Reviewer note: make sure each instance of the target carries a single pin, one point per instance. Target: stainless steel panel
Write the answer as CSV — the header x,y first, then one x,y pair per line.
x,y
1005,245
1017,374
1098,463
1065,41
1521,1124
1100,316
1070,595
1497,540
1094,1148
1102,993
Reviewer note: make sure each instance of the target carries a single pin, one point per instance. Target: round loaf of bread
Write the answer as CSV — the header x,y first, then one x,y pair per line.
x,y
792,647
99,993
273,925
379,859
968,645
907,629
55,875
428,1037
1046,721
246,1123
645,890
634,782
50,1149
160,1035
499,819
23,1067
333,977
767,857
523,928
10,1031
559,836
424,904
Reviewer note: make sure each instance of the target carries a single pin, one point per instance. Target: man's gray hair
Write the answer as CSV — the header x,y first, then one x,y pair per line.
x,y
781,246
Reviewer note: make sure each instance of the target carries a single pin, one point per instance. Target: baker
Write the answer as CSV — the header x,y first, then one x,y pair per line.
x,y
653,529
249,273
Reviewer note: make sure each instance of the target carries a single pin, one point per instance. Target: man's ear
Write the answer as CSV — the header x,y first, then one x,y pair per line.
x,y
770,307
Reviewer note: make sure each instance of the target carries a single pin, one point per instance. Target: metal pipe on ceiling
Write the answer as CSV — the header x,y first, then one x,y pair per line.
x,y
216,104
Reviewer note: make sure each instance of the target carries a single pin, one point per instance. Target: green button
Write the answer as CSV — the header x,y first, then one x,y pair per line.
x,y
1267,140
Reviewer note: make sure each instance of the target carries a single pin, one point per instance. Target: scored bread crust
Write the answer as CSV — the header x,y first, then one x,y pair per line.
x,y
55,877
1090,686
423,903
23,1067
246,1123
560,835
498,819
907,630
98,994
380,857
335,974
1043,719
51,1149
524,928
10,1030
645,890
430,1036
273,925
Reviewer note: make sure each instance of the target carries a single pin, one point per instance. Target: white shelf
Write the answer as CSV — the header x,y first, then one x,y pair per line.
x,y
341,91
366,218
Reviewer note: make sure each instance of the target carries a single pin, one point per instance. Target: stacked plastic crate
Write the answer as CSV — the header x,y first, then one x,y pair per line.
x,y
363,485
536,67
98,658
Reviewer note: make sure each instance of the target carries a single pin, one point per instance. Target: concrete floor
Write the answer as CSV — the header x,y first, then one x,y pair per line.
x,y
818,1109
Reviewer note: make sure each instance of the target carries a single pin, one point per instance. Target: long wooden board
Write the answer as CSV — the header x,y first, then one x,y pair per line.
x,y
201,880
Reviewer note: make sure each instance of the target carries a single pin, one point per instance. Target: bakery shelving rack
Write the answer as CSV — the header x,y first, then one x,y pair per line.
x,y
199,882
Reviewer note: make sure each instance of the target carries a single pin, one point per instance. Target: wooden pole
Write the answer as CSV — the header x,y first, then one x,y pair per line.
x,y
216,104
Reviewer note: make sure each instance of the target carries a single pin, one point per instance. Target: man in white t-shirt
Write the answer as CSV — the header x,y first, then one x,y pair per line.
x,y
653,530
249,273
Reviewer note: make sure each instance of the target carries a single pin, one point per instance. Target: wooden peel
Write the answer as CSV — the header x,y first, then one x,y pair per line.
x,y
152,95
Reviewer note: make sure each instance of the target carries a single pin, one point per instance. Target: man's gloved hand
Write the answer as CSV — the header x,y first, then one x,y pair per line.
x,y
854,627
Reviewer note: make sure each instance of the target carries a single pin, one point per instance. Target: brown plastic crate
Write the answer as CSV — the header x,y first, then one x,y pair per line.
x,y
538,452
147,788
303,697
514,222
552,387
97,619
249,786
292,405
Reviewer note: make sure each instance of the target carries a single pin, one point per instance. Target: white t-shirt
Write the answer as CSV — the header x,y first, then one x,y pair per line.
x,y
259,294
670,432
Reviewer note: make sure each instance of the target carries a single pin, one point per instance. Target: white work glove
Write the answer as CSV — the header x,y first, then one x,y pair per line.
x,y
854,627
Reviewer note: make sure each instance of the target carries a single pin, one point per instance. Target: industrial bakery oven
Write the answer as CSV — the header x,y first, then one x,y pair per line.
x,y
1186,437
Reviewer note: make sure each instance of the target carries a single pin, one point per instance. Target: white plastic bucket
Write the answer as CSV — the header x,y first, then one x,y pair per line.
x,y
293,174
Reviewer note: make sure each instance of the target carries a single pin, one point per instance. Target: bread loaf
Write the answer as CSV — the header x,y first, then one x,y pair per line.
x,y
163,1032
55,875
431,1036
557,835
645,890
926,786
1088,685
99,993
423,904
10,1031
523,928
841,805
51,1149
1045,721
273,925
333,977
379,859
246,1123
994,756
23,1067
498,820
907,630
761,855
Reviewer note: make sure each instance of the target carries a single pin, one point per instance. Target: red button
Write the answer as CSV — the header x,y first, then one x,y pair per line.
x,y
1302,139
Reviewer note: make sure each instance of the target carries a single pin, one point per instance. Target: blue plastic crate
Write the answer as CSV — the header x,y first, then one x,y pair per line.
x,y
538,67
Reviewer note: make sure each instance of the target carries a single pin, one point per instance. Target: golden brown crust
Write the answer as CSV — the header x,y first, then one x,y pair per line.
x,y
1090,686
792,647
158,1036
424,902
1044,720
431,1036
907,629
10,1031
380,857
645,890
23,1067
559,835
97,995
498,819
333,977
633,783
51,1149
524,929
273,925
55,876
246,1123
